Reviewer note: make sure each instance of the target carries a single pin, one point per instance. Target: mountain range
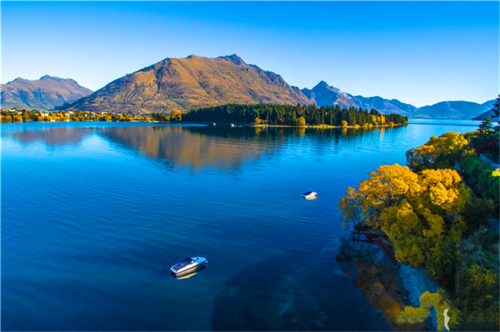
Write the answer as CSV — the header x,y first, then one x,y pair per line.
x,y
46,93
324,95
183,84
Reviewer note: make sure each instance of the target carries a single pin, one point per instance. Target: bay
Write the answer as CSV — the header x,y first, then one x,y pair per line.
x,y
94,215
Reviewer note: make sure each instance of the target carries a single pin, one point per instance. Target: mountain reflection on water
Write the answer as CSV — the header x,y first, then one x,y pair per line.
x,y
52,136
218,147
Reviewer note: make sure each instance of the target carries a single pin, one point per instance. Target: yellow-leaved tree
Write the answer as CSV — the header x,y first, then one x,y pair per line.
x,y
411,209
429,301
439,151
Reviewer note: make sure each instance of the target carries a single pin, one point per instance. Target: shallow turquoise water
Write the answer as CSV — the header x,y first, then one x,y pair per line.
x,y
94,215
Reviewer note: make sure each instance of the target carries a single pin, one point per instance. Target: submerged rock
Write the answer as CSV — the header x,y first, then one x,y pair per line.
x,y
388,285
293,292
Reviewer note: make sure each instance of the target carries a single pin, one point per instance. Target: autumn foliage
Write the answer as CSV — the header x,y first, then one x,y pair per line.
x,y
410,208
435,221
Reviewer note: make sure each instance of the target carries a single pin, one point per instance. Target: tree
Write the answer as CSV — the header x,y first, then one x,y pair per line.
x,y
301,121
440,264
486,126
496,107
173,115
438,150
429,301
408,207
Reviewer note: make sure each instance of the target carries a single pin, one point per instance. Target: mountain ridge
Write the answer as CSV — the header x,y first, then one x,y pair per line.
x,y
324,94
452,109
183,84
46,93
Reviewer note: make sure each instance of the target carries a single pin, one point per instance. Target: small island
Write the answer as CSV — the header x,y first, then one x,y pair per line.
x,y
258,115
298,116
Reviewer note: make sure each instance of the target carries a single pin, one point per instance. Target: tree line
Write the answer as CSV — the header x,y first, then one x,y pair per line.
x,y
293,115
24,115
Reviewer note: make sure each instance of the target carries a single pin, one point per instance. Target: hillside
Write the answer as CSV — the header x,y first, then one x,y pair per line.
x,y
44,94
192,82
489,104
325,95
451,110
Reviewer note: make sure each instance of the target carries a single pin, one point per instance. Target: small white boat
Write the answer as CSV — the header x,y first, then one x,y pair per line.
x,y
310,195
188,265
232,124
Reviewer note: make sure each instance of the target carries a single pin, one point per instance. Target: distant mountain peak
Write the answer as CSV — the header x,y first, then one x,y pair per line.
x,y
233,58
324,94
53,78
17,79
46,93
321,84
46,77
451,109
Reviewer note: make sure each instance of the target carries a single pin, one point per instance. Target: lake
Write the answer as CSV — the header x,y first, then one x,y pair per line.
x,y
94,215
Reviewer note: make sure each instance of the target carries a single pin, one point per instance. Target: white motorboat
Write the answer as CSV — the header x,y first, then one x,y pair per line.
x,y
310,195
188,265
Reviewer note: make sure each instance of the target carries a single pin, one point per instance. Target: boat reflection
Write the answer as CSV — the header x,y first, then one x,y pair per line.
x,y
189,274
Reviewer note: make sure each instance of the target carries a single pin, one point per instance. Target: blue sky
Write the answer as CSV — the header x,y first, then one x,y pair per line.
x,y
418,52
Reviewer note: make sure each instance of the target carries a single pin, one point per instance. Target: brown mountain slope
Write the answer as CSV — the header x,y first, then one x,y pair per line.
x,y
44,94
193,82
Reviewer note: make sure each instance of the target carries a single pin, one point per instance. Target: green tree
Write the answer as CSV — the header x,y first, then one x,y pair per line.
x,y
486,126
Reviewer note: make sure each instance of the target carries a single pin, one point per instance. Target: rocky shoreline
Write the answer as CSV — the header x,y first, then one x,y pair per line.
x,y
414,282
388,285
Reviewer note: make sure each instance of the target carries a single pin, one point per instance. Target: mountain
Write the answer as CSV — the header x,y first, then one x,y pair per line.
x,y
325,95
451,110
386,105
489,104
192,82
490,113
44,94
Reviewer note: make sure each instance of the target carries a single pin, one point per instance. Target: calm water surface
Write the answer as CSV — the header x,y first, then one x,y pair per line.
x,y
94,215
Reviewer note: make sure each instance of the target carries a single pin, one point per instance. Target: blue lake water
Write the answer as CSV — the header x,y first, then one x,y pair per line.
x,y
94,215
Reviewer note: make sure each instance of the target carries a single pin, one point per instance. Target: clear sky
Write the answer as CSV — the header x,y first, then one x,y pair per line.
x,y
418,52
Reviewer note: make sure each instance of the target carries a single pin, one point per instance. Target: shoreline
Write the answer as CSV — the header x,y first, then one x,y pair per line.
x,y
228,124
328,126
